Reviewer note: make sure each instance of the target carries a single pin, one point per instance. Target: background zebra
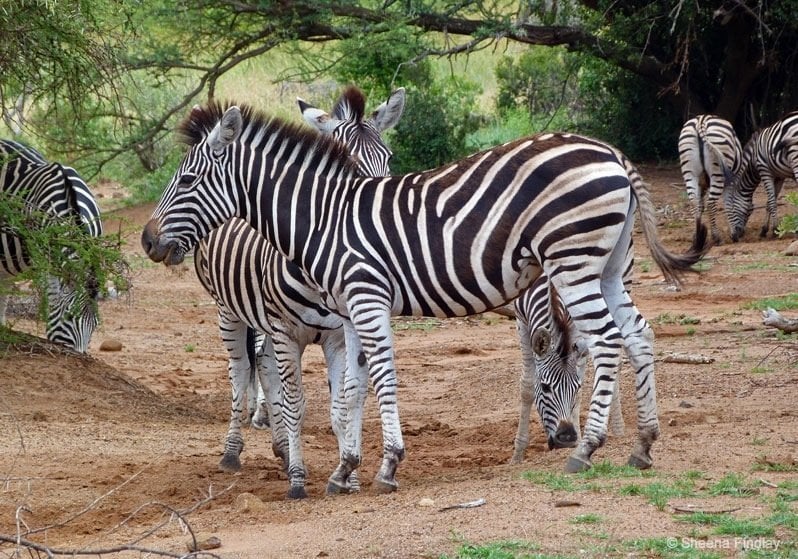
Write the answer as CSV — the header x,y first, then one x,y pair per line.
x,y
709,154
58,191
257,289
456,240
770,156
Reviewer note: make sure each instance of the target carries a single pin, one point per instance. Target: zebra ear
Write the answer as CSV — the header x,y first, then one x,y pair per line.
x,y
388,114
227,130
317,118
541,340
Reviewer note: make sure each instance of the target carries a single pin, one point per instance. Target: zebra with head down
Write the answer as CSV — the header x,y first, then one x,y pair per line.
x,y
257,290
769,157
58,191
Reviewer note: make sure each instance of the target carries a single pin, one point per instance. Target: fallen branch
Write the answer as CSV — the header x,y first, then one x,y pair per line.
x,y
771,317
690,359
691,510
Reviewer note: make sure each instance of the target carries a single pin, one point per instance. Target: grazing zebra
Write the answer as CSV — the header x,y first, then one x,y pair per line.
x,y
256,289
58,191
554,359
770,156
710,153
457,240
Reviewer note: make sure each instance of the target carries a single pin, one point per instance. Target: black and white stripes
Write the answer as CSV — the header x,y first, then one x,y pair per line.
x,y
769,156
709,154
58,191
461,239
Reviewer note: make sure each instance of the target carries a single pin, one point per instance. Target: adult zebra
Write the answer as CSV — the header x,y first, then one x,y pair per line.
x,y
769,156
456,240
710,154
58,191
256,289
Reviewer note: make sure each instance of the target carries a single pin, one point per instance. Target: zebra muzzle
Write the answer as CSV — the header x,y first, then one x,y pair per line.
x,y
159,249
565,436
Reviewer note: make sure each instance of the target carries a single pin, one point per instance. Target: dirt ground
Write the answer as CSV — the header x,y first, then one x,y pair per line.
x,y
102,451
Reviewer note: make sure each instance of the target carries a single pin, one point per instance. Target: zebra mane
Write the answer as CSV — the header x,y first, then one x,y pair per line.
x,y
259,128
562,320
351,105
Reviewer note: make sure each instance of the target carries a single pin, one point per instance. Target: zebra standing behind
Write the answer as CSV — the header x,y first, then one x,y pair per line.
x,y
770,156
257,289
710,154
457,240
58,191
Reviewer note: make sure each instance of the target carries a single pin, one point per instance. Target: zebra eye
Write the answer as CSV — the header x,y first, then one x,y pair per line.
x,y
545,387
185,181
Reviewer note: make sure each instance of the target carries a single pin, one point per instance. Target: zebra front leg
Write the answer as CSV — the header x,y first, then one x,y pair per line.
x,y
288,354
527,392
772,189
239,368
269,377
355,389
334,347
640,349
372,322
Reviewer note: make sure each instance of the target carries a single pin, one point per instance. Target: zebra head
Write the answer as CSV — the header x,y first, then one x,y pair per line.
x,y
71,314
361,136
560,360
201,195
738,194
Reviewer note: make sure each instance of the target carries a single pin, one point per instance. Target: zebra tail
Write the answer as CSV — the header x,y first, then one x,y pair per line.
x,y
672,265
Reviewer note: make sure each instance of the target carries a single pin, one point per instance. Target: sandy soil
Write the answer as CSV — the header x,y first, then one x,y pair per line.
x,y
102,450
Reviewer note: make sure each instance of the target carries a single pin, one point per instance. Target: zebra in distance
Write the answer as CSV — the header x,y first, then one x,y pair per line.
x,y
769,156
269,294
58,191
709,154
457,240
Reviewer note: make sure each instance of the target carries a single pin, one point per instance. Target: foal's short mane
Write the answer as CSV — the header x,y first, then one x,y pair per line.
x,y
201,120
351,105
562,319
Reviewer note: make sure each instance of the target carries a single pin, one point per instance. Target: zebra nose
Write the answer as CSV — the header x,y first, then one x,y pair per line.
x,y
564,437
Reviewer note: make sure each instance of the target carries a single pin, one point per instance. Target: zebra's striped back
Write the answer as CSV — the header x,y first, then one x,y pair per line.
x,y
770,156
457,240
710,154
58,191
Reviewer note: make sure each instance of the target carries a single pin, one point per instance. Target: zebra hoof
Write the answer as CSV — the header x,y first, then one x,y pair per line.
x,y
261,423
335,488
230,463
384,486
641,463
574,465
297,492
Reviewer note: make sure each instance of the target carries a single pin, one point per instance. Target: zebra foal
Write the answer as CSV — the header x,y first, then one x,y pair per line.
x,y
709,155
257,290
57,191
457,240
769,156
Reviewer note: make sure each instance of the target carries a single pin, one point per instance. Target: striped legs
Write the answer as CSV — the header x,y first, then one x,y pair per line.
x,y
369,343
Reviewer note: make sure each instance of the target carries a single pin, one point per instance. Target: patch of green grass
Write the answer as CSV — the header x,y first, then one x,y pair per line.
x,y
555,482
514,549
783,303
424,324
669,548
761,370
683,319
189,348
589,518
607,470
733,484
658,492
759,441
